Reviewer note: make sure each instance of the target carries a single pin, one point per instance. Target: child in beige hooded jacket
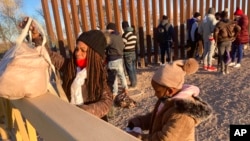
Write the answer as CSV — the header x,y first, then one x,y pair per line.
x,y
178,109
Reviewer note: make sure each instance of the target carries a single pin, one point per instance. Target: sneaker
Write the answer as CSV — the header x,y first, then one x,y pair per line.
x,y
205,67
237,65
211,68
231,64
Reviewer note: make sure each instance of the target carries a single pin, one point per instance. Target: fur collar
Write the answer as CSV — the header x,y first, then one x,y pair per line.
x,y
196,108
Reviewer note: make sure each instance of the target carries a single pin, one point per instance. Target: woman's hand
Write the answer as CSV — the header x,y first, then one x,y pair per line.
x,y
34,31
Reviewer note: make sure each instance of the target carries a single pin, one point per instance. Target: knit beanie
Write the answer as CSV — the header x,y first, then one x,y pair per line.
x,y
95,39
173,75
238,12
111,26
125,24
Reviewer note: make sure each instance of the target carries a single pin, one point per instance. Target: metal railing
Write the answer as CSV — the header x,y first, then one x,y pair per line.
x,y
52,119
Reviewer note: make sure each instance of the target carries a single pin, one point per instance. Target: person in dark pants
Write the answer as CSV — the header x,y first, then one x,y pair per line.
x,y
193,36
165,37
130,40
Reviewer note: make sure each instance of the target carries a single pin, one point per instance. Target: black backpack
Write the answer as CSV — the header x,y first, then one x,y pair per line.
x,y
163,33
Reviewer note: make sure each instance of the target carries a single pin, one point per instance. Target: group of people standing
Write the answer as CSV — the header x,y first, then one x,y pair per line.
x,y
217,31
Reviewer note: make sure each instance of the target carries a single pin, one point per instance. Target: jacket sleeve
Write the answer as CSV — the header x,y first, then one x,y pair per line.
x,y
212,24
141,121
216,32
200,29
57,59
178,128
101,107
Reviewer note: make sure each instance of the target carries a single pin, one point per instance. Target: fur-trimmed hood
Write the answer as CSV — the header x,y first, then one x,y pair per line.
x,y
195,108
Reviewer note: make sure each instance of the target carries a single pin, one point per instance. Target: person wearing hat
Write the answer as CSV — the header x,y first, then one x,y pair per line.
x,y
178,109
165,37
114,54
224,33
241,39
193,36
206,29
130,40
85,83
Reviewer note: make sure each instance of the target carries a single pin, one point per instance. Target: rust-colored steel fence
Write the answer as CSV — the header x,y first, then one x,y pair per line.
x,y
70,17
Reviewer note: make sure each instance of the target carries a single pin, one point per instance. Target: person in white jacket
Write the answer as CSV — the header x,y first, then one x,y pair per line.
x,y
206,29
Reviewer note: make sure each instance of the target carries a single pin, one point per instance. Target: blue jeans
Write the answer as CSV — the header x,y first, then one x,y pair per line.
x,y
130,63
166,47
117,65
237,51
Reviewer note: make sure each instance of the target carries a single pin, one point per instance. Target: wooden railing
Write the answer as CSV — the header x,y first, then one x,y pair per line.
x,y
144,15
53,119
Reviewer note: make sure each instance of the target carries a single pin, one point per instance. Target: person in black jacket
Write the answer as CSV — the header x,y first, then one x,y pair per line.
x,y
165,37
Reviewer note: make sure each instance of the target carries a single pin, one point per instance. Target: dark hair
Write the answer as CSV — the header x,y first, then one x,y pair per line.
x,y
218,14
196,14
164,17
224,14
97,75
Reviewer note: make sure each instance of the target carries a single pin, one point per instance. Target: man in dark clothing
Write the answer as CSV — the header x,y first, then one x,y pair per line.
x,y
130,40
165,37
193,35
114,52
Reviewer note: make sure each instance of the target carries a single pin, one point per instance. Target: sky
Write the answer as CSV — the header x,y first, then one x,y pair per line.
x,y
30,7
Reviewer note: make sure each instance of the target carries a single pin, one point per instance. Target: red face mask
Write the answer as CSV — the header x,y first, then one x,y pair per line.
x,y
81,63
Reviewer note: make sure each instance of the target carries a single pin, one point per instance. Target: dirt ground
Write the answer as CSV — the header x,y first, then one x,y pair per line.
x,y
229,96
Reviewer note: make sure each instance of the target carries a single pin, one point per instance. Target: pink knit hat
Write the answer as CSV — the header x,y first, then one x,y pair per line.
x,y
173,75
238,12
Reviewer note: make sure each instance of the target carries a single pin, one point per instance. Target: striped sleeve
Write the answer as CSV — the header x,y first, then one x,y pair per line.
x,y
129,40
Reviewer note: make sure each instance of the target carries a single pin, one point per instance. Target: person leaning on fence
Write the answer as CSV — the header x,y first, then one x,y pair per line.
x,y
178,109
206,29
224,33
241,39
193,35
84,72
130,40
114,57
165,37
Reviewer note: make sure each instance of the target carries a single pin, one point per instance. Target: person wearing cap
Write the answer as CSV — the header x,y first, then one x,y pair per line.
x,y
241,39
224,33
114,54
178,109
193,35
85,81
130,40
206,29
